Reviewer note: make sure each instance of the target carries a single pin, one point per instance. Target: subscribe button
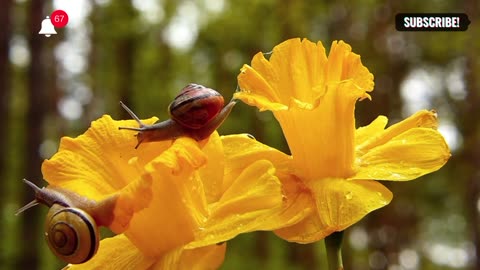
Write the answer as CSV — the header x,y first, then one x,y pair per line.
x,y
431,21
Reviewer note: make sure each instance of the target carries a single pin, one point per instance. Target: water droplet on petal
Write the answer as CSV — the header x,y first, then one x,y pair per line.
x,y
349,195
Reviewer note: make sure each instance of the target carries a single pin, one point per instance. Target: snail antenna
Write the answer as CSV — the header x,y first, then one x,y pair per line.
x,y
27,206
32,203
134,116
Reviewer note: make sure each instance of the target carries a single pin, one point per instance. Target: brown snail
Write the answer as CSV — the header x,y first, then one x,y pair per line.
x,y
71,226
196,112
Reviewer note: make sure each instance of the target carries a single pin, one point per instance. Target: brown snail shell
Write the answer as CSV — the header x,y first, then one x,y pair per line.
x,y
196,106
196,112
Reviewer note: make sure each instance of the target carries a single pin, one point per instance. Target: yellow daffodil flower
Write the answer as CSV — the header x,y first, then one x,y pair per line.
x,y
176,202
329,178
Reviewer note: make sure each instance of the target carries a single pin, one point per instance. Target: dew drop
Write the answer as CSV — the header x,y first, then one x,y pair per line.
x,y
349,195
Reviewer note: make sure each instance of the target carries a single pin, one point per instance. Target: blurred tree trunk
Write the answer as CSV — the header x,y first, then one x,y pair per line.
x,y
5,83
470,127
126,49
34,133
94,60
262,250
125,53
302,256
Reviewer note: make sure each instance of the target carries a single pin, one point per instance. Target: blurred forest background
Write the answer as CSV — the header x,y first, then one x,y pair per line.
x,y
143,52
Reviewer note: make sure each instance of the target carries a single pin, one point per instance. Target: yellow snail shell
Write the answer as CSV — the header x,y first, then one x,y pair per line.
x,y
71,226
71,234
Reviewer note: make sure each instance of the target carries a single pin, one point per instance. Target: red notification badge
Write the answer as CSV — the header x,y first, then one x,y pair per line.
x,y
59,18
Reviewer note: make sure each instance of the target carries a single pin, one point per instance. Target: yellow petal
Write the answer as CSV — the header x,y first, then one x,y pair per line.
x,y
341,203
295,68
407,156
299,214
327,130
298,70
423,118
209,257
183,154
343,64
188,158
211,174
264,97
310,229
318,97
259,101
131,199
298,203
377,126
169,221
253,197
204,258
164,225
255,188
241,151
116,253
96,166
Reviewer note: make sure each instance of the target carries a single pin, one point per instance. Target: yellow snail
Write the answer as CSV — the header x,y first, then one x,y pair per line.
x,y
71,226
196,112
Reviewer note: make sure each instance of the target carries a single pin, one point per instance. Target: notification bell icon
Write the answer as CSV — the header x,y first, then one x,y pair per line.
x,y
47,28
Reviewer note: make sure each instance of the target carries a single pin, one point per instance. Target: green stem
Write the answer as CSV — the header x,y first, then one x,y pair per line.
x,y
333,243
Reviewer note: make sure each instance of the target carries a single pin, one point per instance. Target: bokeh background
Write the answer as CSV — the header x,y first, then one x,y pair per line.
x,y
144,51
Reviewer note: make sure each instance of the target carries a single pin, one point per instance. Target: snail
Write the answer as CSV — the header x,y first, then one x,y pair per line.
x,y
196,112
71,226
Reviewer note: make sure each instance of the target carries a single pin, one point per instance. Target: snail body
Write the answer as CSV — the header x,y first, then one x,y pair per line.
x,y
71,226
196,112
